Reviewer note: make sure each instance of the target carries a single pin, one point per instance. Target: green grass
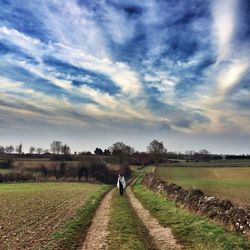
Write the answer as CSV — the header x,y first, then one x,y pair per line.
x,y
126,231
70,237
190,230
5,171
225,183
215,163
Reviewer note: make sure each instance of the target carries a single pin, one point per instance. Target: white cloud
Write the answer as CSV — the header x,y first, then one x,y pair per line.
x,y
231,75
224,21
104,99
119,72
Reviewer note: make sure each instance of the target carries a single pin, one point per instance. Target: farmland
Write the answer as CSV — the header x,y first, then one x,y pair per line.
x,y
214,163
32,212
4,171
225,183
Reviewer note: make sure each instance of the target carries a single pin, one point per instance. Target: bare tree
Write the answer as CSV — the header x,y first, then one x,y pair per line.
x,y
19,148
39,150
2,149
32,150
65,149
156,149
120,148
204,154
55,147
9,149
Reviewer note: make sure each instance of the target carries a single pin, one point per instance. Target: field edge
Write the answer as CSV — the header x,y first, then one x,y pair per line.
x,y
191,230
71,235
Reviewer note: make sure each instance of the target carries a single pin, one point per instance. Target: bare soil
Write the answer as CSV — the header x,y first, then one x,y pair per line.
x,y
31,212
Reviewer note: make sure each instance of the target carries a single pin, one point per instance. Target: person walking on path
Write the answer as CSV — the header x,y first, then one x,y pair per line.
x,y
121,183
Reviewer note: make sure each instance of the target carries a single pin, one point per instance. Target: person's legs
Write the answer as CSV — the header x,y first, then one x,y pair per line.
x,y
121,189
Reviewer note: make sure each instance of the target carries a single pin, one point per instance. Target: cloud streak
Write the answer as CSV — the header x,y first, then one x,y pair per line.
x,y
173,65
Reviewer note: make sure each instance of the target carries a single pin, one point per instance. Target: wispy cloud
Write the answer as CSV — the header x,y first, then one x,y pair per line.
x,y
224,24
173,64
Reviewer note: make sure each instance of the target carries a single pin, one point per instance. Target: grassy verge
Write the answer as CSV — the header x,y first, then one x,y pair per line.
x,y
71,235
192,231
126,230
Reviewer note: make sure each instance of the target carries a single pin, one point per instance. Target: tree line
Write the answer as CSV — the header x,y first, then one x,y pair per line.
x,y
155,148
57,147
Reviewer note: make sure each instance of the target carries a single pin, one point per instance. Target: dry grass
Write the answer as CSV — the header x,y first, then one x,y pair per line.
x,y
36,164
32,212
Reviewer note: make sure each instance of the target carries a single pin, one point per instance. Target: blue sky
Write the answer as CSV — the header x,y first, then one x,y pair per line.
x,y
94,72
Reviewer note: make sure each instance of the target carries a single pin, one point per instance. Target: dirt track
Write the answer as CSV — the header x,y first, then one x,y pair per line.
x,y
97,236
161,236
98,232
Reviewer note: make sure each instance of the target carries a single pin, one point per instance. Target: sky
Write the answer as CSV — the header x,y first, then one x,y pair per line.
x,y
93,72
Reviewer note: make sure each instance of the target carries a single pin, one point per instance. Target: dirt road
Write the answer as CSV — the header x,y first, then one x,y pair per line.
x,y
97,236
98,232
162,237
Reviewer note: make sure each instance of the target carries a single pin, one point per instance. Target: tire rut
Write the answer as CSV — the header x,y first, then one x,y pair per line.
x,y
97,236
162,237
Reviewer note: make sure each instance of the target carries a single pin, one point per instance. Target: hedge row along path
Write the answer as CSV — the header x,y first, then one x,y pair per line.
x,y
97,236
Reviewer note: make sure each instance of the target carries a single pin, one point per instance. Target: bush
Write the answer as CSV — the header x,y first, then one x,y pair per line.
x,y
16,177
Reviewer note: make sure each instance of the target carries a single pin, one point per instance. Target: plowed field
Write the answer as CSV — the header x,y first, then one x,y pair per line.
x,y
30,213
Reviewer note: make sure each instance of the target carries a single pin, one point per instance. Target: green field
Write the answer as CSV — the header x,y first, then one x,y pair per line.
x,y
5,171
32,212
213,163
226,183
192,231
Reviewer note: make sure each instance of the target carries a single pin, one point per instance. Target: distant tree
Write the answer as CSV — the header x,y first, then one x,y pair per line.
x,y
39,151
2,149
19,148
156,149
32,150
98,151
189,154
9,149
88,153
65,149
55,147
204,154
106,152
120,148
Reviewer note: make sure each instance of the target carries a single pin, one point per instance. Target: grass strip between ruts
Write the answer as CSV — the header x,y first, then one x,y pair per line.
x,y
75,229
126,231
191,230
